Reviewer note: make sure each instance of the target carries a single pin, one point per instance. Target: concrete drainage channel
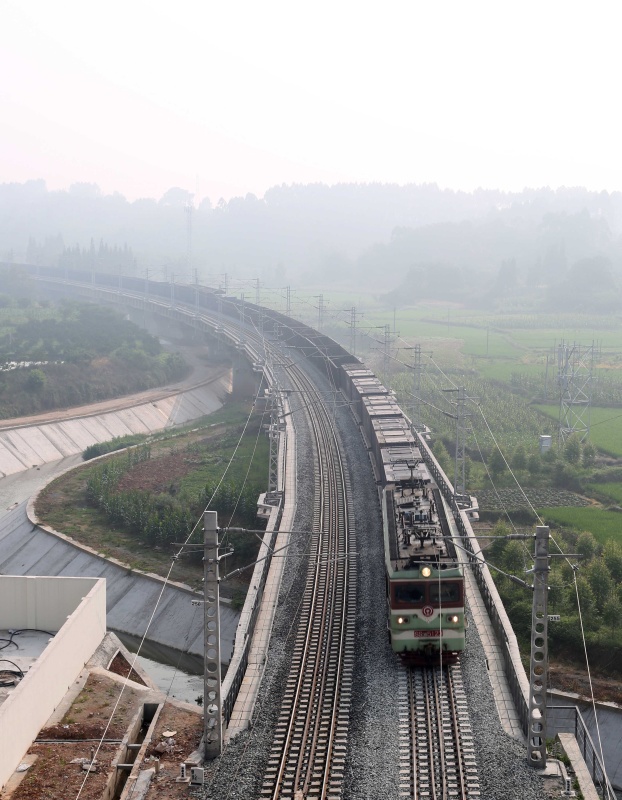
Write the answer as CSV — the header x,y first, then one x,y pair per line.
x,y
127,778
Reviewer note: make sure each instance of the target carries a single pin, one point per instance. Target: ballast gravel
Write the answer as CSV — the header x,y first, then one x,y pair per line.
x,y
373,745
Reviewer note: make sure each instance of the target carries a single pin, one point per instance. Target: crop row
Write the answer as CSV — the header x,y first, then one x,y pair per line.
x,y
507,499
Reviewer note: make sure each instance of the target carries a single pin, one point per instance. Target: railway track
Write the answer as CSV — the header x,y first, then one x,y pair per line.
x,y
437,754
308,753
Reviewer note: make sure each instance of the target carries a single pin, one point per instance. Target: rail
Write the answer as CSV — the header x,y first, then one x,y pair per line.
x,y
203,320
517,679
168,304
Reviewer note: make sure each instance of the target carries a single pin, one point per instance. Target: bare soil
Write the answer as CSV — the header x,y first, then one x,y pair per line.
x,y
120,667
569,678
78,736
158,473
62,506
187,728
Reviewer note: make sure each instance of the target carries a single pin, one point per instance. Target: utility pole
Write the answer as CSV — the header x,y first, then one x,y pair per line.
x,y
257,292
416,404
146,298
320,310
212,696
288,307
459,477
274,434
536,739
387,356
460,495
189,209
353,330
219,308
242,320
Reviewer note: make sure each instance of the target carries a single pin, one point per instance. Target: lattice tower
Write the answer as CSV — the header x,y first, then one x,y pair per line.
x,y
575,363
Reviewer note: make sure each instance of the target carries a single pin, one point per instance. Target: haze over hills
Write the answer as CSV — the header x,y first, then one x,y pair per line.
x,y
485,244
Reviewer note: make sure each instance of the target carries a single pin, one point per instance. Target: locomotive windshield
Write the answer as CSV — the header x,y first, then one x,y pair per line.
x,y
406,594
446,592
409,594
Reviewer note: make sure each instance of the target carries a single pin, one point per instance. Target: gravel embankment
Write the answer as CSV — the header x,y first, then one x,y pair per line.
x,y
372,771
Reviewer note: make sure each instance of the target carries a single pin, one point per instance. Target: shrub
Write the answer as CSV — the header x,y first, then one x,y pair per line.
x,y
118,443
36,380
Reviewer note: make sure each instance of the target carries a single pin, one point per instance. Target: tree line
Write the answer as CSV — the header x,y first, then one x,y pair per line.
x,y
598,587
489,246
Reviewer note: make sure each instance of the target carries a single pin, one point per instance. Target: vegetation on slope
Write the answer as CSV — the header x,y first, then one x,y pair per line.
x,y
137,506
75,353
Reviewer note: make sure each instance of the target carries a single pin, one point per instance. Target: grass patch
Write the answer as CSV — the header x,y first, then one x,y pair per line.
x,y
610,490
601,523
605,427
495,370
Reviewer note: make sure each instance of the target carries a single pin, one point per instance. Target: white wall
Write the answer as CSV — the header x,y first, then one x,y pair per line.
x,y
76,608
40,602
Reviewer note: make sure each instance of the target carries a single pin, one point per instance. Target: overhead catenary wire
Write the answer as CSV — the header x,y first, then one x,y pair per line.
x,y
584,642
446,377
159,598
522,491
508,468
589,673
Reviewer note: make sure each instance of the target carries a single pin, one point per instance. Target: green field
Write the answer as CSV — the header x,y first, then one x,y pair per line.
x,y
602,524
611,490
605,427
503,370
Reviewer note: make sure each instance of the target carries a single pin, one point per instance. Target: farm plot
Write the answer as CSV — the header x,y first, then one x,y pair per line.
x,y
605,427
601,523
611,490
514,500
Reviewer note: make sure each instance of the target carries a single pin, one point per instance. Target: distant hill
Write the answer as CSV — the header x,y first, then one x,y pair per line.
x,y
364,234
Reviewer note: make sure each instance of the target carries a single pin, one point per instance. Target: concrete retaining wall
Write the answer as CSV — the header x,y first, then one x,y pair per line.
x,y
46,600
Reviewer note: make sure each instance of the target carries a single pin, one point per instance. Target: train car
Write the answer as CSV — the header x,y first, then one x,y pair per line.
x,y
424,575
350,373
375,408
390,433
400,462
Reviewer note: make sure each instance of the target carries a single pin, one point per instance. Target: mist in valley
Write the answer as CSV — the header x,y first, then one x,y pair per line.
x,y
529,250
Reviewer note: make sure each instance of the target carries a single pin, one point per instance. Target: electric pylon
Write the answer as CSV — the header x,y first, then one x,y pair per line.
x,y
575,364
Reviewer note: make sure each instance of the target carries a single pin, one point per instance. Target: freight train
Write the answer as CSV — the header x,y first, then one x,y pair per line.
x,y
424,575
423,570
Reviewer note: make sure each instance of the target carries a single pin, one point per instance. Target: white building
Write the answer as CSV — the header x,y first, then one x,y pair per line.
x,y
55,625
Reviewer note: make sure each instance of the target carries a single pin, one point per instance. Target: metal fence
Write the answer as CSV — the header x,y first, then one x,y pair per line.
x,y
568,719
514,670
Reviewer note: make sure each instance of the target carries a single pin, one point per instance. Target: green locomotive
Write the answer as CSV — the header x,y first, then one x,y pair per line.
x,y
424,575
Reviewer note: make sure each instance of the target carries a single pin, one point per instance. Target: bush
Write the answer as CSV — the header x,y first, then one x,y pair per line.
x,y
36,380
118,443
159,519
572,449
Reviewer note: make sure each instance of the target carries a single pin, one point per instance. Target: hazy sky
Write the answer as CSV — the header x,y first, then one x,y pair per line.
x,y
235,96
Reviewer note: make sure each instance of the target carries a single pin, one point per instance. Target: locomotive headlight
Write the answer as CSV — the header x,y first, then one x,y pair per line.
x,y
426,572
452,618
402,620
